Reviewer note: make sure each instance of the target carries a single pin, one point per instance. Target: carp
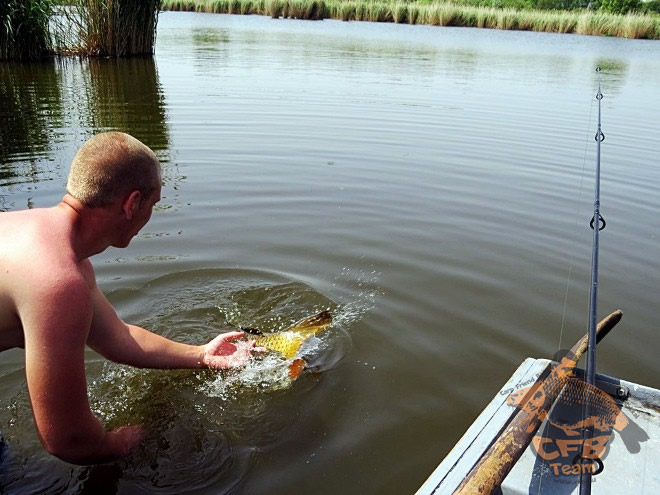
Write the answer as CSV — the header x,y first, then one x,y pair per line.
x,y
287,343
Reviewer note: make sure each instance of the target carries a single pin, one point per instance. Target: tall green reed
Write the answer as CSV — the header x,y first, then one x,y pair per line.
x,y
114,28
24,31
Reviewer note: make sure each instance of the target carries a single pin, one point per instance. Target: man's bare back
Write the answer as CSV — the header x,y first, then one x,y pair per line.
x,y
36,251
51,306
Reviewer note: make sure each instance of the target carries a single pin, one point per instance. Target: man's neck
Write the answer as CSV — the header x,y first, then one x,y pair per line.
x,y
89,227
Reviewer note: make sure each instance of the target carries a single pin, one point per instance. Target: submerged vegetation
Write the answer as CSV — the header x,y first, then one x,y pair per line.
x,y
469,13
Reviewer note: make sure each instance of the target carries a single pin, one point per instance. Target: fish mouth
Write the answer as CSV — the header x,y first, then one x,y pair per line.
x,y
251,330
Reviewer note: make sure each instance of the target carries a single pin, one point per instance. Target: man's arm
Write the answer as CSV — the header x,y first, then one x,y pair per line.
x,y
56,319
135,346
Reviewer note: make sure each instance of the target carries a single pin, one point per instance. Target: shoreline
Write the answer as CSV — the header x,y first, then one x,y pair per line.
x,y
631,26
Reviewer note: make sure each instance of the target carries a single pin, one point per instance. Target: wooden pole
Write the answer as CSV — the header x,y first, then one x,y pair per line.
x,y
489,473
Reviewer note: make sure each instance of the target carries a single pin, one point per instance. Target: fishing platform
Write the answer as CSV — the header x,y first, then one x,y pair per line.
x,y
624,471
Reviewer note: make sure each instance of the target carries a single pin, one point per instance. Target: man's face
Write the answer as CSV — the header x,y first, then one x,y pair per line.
x,y
141,216
145,209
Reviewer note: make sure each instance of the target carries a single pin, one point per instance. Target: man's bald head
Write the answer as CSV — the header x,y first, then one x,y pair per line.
x,y
111,165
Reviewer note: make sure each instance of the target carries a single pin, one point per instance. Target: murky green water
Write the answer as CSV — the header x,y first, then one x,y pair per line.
x,y
432,186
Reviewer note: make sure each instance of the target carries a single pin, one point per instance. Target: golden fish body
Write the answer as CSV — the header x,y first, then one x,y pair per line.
x,y
288,342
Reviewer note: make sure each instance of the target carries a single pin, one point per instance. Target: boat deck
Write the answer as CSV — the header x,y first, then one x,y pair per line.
x,y
630,462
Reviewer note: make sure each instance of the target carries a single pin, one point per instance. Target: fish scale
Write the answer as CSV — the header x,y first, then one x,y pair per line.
x,y
288,342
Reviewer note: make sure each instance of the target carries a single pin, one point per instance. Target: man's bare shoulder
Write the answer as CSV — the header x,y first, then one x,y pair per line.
x,y
34,238
40,273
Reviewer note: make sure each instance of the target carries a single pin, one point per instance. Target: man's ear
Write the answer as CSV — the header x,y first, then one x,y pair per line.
x,y
131,204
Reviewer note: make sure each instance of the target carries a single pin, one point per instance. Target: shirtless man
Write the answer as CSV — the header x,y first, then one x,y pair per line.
x,y
51,306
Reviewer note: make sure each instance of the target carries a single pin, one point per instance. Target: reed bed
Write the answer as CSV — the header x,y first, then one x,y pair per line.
x,y
24,31
630,25
113,28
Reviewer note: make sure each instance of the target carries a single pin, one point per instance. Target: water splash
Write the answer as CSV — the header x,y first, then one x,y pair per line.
x,y
324,351
358,297
269,373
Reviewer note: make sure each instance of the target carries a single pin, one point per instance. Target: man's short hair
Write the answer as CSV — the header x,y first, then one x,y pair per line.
x,y
111,165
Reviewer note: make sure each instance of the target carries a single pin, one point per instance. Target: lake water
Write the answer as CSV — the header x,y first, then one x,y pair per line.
x,y
432,186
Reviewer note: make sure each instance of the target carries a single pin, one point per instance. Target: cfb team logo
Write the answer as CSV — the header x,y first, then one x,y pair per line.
x,y
560,443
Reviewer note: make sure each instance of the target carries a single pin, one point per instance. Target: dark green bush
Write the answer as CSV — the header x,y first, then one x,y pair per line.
x,y
652,6
620,6
498,4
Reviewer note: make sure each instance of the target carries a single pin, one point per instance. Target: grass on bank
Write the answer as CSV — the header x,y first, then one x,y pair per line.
x,y
630,25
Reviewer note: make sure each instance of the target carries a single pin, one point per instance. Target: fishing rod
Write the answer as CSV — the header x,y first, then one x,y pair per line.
x,y
597,224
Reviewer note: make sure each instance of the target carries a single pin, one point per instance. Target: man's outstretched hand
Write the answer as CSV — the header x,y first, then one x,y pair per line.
x,y
226,351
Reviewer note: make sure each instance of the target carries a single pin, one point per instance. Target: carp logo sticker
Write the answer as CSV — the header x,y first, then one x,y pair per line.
x,y
559,444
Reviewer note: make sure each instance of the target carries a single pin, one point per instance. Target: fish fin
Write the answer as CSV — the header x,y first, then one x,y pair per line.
x,y
313,324
296,368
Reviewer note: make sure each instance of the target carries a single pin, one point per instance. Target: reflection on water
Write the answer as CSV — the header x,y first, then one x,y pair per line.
x,y
42,103
206,40
124,94
31,112
613,75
